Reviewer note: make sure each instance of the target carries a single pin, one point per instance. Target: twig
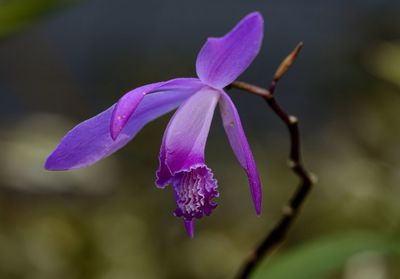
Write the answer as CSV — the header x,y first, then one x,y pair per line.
x,y
291,210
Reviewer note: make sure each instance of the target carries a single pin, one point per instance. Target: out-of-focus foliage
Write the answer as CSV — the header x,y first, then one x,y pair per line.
x,y
17,14
385,62
317,258
28,174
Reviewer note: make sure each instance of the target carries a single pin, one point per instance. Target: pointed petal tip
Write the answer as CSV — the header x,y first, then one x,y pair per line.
x,y
47,165
189,226
258,211
117,123
257,200
255,14
51,165
114,132
257,203
255,19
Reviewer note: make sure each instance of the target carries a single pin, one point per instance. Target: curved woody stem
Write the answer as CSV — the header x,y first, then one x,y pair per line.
x,y
277,235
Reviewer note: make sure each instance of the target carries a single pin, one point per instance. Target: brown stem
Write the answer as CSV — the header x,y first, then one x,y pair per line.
x,y
291,210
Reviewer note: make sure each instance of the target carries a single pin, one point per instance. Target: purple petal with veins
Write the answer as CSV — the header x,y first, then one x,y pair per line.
x,y
187,132
90,141
222,60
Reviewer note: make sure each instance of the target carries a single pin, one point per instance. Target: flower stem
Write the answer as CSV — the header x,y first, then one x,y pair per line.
x,y
277,235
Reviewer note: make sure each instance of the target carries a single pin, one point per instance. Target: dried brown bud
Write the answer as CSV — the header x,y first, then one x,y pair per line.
x,y
284,66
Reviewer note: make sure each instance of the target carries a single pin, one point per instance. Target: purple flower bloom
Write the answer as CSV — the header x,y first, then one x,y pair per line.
x,y
182,160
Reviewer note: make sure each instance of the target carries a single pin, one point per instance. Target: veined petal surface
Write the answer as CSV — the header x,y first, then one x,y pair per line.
x,y
222,60
187,132
90,141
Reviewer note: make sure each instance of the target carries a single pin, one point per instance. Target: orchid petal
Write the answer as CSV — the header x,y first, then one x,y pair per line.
x,y
90,141
240,146
222,60
128,103
187,131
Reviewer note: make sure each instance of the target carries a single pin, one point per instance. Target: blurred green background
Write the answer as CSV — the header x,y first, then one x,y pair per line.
x,y
64,61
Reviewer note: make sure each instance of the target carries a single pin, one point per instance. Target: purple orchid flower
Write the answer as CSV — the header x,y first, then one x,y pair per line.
x,y
182,160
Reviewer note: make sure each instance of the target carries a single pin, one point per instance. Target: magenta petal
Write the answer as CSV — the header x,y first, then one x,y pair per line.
x,y
222,60
186,134
90,141
240,146
128,103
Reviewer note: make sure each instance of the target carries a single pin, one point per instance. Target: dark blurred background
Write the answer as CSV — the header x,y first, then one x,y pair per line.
x,y
62,62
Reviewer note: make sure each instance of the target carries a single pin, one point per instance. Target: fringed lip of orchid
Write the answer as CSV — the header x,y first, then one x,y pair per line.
x,y
182,159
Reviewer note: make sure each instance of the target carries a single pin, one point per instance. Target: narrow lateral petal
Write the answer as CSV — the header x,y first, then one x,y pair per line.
x,y
240,146
187,132
222,60
90,141
129,102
